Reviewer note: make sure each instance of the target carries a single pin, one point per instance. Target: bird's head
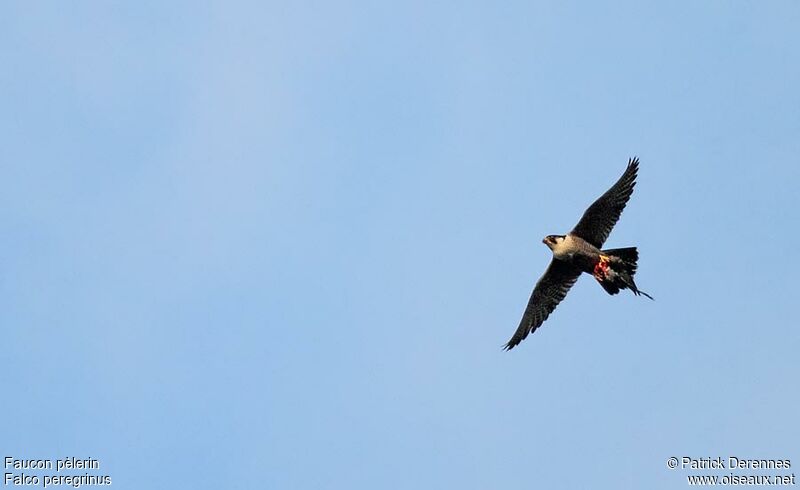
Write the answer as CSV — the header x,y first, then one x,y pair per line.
x,y
552,240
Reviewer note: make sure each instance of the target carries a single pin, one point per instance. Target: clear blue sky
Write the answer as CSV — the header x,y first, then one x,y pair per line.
x,y
280,245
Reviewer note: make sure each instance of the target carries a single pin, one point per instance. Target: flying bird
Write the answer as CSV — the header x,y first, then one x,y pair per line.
x,y
579,251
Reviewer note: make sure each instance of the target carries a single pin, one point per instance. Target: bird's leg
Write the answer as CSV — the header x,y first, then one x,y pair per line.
x,y
601,268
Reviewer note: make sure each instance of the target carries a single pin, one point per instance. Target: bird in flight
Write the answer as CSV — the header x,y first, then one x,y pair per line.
x,y
579,251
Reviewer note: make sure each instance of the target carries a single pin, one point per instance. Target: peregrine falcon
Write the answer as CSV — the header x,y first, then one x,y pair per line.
x,y
579,251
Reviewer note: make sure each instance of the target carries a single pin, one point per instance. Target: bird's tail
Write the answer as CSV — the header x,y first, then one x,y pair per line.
x,y
615,269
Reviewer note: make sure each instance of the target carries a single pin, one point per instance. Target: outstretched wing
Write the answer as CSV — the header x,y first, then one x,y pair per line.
x,y
548,293
596,223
